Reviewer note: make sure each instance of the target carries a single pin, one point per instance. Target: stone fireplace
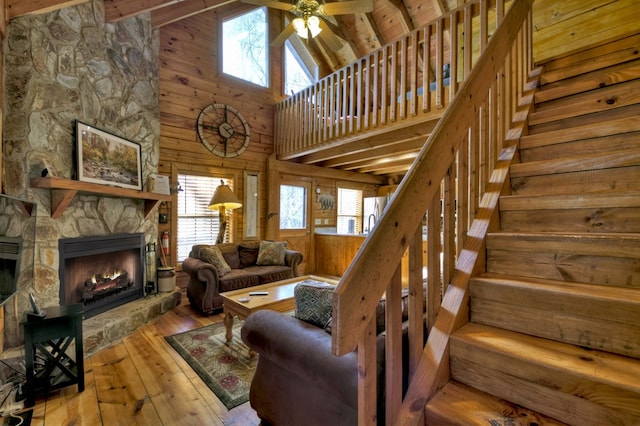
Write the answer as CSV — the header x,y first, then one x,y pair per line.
x,y
101,272
62,66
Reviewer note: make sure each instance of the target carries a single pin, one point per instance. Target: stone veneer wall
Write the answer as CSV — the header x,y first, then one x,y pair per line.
x,y
59,67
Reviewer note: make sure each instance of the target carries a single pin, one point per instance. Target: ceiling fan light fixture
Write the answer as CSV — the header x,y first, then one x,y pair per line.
x,y
314,25
301,27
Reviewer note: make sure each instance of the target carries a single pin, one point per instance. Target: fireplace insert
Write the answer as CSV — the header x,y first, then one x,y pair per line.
x,y
101,272
10,254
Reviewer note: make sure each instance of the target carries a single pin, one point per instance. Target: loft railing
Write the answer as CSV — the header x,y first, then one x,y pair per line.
x,y
455,183
408,81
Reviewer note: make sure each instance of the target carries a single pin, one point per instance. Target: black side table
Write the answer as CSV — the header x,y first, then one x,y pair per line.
x,y
45,343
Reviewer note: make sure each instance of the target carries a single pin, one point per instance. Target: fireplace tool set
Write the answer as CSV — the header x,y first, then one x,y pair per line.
x,y
151,264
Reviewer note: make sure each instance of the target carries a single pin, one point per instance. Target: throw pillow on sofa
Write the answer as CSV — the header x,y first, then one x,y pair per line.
x,y
230,253
314,302
271,253
248,256
214,256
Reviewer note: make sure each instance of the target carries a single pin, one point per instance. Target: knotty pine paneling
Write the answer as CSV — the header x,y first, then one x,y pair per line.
x,y
564,27
189,79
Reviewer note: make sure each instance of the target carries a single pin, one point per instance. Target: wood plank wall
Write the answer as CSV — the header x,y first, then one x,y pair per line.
x,y
564,27
191,79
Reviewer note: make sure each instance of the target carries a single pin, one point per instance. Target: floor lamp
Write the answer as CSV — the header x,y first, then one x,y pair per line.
x,y
223,198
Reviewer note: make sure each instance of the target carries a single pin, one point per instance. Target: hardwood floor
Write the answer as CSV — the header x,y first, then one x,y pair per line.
x,y
142,380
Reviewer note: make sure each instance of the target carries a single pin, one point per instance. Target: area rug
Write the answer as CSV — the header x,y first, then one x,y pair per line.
x,y
226,369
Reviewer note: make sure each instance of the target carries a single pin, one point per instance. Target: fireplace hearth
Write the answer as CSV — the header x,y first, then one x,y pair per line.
x,y
101,272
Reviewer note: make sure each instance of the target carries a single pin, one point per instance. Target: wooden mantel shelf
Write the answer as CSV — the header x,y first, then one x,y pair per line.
x,y
63,191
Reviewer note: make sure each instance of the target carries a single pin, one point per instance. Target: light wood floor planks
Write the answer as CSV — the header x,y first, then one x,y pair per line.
x,y
141,380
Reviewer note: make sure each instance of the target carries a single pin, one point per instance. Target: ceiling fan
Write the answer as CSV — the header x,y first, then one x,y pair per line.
x,y
310,16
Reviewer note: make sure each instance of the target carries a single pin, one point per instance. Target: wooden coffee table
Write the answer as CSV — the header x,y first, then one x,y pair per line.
x,y
279,298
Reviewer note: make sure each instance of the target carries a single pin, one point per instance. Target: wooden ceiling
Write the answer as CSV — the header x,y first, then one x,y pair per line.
x,y
363,32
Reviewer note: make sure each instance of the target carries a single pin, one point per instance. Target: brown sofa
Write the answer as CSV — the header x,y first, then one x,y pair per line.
x,y
206,281
298,380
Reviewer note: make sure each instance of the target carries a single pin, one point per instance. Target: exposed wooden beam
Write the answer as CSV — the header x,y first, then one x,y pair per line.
x,y
15,8
402,147
405,18
374,31
440,7
321,172
116,10
339,30
184,9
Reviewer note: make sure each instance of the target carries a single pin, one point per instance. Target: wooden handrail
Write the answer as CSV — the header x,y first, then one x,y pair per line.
x,y
456,179
365,280
452,186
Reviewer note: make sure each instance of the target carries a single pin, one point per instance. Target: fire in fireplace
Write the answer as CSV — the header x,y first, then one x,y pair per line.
x,y
101,272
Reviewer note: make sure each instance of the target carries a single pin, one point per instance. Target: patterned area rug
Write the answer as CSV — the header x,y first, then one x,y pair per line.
x,y
226,369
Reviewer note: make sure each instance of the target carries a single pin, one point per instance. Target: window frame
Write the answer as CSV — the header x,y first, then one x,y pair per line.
x,y
305,213
238,80
304,58
231,229
359,209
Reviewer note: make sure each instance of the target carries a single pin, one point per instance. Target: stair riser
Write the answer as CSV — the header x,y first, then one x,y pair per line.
x,y
590,219
594,333
618,179
544,149
572,400
570,164
603,77
606,99
602,270
589,60
571,128
619,306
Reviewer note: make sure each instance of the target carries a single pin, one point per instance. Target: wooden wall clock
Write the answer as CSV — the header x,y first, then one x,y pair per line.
x,y
223,130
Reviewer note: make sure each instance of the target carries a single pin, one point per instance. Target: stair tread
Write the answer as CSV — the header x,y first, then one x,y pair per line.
x,y
458,404
602,367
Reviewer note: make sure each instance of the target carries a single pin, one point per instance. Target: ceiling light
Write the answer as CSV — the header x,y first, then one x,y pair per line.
x,y
304,26
301,27
313,23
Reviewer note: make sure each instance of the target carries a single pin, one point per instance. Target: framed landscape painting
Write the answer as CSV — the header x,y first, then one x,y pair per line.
x,y
107,159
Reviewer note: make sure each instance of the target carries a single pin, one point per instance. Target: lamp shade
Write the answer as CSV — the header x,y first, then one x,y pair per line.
x,y
224,197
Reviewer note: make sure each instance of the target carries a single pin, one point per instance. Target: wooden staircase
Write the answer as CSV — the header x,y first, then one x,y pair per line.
x,y
554,335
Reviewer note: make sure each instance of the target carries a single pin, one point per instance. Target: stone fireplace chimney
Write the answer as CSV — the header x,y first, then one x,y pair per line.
x,y
60,67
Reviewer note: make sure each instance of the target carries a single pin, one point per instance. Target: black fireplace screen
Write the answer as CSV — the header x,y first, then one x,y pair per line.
x,y
101,272
10,254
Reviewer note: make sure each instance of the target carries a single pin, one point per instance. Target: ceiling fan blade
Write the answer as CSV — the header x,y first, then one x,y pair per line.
x,y
283,36
334,42
272,4
346,7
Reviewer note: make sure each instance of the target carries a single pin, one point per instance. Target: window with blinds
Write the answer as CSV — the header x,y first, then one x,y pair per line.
x,y
196,223
349,211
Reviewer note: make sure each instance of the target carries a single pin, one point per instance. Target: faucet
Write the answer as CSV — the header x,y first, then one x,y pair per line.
x,y
369,227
